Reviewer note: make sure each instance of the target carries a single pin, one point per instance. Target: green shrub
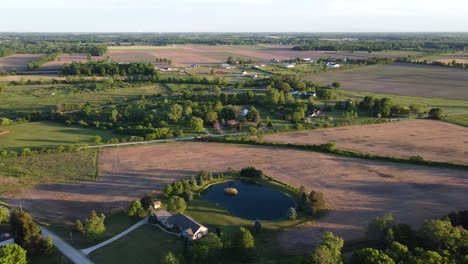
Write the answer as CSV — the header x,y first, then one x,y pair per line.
x,y
251,172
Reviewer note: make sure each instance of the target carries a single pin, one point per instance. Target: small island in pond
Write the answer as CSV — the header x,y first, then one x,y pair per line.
x,y
230,191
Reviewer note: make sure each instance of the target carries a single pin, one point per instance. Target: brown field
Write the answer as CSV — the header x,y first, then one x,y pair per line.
x,y
356,190
18,61
401,79
56,64
184,55
433,140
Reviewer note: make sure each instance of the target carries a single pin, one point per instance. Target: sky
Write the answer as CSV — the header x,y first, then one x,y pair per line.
x,y
234,16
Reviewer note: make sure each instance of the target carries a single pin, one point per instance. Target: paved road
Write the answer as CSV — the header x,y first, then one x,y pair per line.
x,y
157,141
70,252
87,251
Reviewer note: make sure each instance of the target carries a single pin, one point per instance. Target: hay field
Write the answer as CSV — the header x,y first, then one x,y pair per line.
x,y
402,79
356,190
433,140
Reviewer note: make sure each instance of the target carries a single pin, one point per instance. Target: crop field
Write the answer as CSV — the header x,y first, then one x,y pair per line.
x,y
356,190
402,79
460,57
56,64
185,55
48,134
44,97
433,140
18,61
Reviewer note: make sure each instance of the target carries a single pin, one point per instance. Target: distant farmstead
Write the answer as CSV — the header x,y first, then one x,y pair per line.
x,y
188,227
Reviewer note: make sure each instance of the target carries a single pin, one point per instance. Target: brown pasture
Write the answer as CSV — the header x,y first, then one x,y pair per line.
x,y
355,190
433,140
18,61
56,64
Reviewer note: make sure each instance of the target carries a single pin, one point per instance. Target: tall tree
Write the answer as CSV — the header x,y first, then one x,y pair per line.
x,y
12,254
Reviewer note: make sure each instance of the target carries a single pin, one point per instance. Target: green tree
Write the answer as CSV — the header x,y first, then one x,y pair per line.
x,y
398,252
292,213
379,228
197,124
4,214
211,117
329,250
175,112
272,96
97,140
94,226
440,234
176,204
114,116
170,258
244,242
12,254
257,226
207,250
136,210
336,85
27,234
146,202
371,256
436,113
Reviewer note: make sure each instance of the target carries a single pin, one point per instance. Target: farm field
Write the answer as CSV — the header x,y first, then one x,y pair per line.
x,y
18,61
185,55
48,134
460,57
56,64
433,140
356,190
44,97
401,79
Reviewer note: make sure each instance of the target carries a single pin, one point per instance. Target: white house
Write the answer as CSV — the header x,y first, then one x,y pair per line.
x,y
333,65
307,59
188,227
289,66
6,239
244,73
245,112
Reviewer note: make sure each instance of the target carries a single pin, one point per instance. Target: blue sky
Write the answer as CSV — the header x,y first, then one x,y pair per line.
x,y
233,16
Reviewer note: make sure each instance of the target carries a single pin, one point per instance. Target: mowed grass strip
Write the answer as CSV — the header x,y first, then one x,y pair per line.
x,y
47,168
457,119
45,134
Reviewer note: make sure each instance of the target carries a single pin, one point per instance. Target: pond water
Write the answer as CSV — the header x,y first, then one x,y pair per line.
x,y
253,201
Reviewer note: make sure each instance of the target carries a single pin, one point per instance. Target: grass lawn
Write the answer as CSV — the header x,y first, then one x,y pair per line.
x,y
115,224
457,119
147,244
48,134
54,258
47,168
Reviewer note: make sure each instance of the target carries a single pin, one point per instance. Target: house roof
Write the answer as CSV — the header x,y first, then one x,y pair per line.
x,y
185,223
162,213
232,122
5,236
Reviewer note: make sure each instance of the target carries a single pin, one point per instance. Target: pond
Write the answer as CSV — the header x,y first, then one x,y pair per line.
x,y
253,201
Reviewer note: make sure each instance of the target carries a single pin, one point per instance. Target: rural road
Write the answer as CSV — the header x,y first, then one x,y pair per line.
x,y
70,252
87,251
157,141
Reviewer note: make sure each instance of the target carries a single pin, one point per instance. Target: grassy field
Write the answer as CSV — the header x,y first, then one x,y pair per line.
x,y
147,244
450,106
401,79
457,119
46,134
47,168
45,97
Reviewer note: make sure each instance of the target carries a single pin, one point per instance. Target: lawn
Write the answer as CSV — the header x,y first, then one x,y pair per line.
x,y
401,79
47,168
30,98
115,224
457,119
46,134
147,244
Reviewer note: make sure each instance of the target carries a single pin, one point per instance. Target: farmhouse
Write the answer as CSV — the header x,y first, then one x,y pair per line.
x,y
188,227
6,239
244,73
333,65
219,72
289,66
275,60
